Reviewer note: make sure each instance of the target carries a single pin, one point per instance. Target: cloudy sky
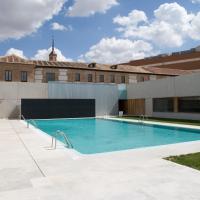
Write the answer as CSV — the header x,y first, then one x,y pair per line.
x,y
104,31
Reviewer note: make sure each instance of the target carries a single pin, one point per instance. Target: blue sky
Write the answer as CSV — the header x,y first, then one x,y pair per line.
x,y
87,31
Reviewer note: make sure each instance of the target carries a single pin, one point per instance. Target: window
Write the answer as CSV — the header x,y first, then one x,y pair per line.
x,y
140,78
189,104
8,75
101,78
112,78
50,77
89,77
77,77
123,79
24,76
163,105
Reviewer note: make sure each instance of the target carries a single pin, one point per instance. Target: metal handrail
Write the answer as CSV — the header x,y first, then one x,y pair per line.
x,y
33,122
67,141
22,117
142,118
28,121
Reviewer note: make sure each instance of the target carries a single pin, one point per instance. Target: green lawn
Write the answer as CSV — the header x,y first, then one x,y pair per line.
x,y
190,160
177,121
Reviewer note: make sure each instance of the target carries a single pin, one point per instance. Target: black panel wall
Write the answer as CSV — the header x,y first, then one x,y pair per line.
x,y
57,108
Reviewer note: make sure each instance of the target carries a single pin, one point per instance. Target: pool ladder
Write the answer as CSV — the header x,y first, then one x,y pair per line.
x,y
66,140
28,121
142,118
53,139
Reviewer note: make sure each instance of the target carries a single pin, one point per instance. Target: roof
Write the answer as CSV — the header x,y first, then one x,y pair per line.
x,y
14,59
98,67
185,60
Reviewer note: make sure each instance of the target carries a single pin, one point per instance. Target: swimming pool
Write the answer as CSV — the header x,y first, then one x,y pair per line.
x,y
90,136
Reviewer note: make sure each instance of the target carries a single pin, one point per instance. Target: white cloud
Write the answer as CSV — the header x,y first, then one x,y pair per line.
x,y
59,27
43,54
171,26
16,52
194,29
195,1
133,18
112,50
84,8
23,17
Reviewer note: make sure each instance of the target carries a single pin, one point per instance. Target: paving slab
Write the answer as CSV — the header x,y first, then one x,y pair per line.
x,y
29,171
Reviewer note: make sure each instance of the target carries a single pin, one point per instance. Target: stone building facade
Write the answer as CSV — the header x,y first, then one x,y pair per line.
x,y
16,69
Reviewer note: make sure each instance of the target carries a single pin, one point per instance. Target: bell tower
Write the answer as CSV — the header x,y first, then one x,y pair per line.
x,y
53,55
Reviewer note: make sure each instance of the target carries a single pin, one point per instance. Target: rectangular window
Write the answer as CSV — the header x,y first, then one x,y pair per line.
x,y
112,78
189,104
163,105
89,77
50,77
8,75
123,79
24,76
77,77
101,78
140,78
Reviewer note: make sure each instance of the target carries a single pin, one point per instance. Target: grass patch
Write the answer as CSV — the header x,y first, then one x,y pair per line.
x,y
176,121
190,160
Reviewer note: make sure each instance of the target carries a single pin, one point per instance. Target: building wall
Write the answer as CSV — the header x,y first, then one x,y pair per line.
x,y
50,70
184,86
96,74
11,94
106,95
16,71
38,74
185,61
181,86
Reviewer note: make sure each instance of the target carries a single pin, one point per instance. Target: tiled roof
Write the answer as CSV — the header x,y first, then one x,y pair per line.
x,y
157,70
186,60
103,67
14,59
98,67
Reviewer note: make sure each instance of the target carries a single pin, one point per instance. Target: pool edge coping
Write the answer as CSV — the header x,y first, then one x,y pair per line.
x,y
149,122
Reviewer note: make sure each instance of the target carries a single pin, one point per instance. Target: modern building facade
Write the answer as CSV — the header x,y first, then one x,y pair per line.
x,y
175,97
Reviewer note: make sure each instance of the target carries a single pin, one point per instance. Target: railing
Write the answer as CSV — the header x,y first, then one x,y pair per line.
x,y
142,118
22,117
62,134
53,140
33,122
28,121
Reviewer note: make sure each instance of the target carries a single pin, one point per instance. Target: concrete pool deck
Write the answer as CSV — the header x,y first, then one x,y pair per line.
x,y
29,171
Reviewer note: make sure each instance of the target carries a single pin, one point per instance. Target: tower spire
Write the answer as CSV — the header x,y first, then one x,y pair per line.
x,y
52,42
53,55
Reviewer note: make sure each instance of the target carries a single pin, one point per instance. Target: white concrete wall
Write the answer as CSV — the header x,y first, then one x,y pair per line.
x,y
11,94
176,115
106,95
181,86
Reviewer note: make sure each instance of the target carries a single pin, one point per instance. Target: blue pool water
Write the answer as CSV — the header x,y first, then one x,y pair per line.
x,y
90,136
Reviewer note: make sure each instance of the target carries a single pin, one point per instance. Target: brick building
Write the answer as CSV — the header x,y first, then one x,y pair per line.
x,y
184,60
16,69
